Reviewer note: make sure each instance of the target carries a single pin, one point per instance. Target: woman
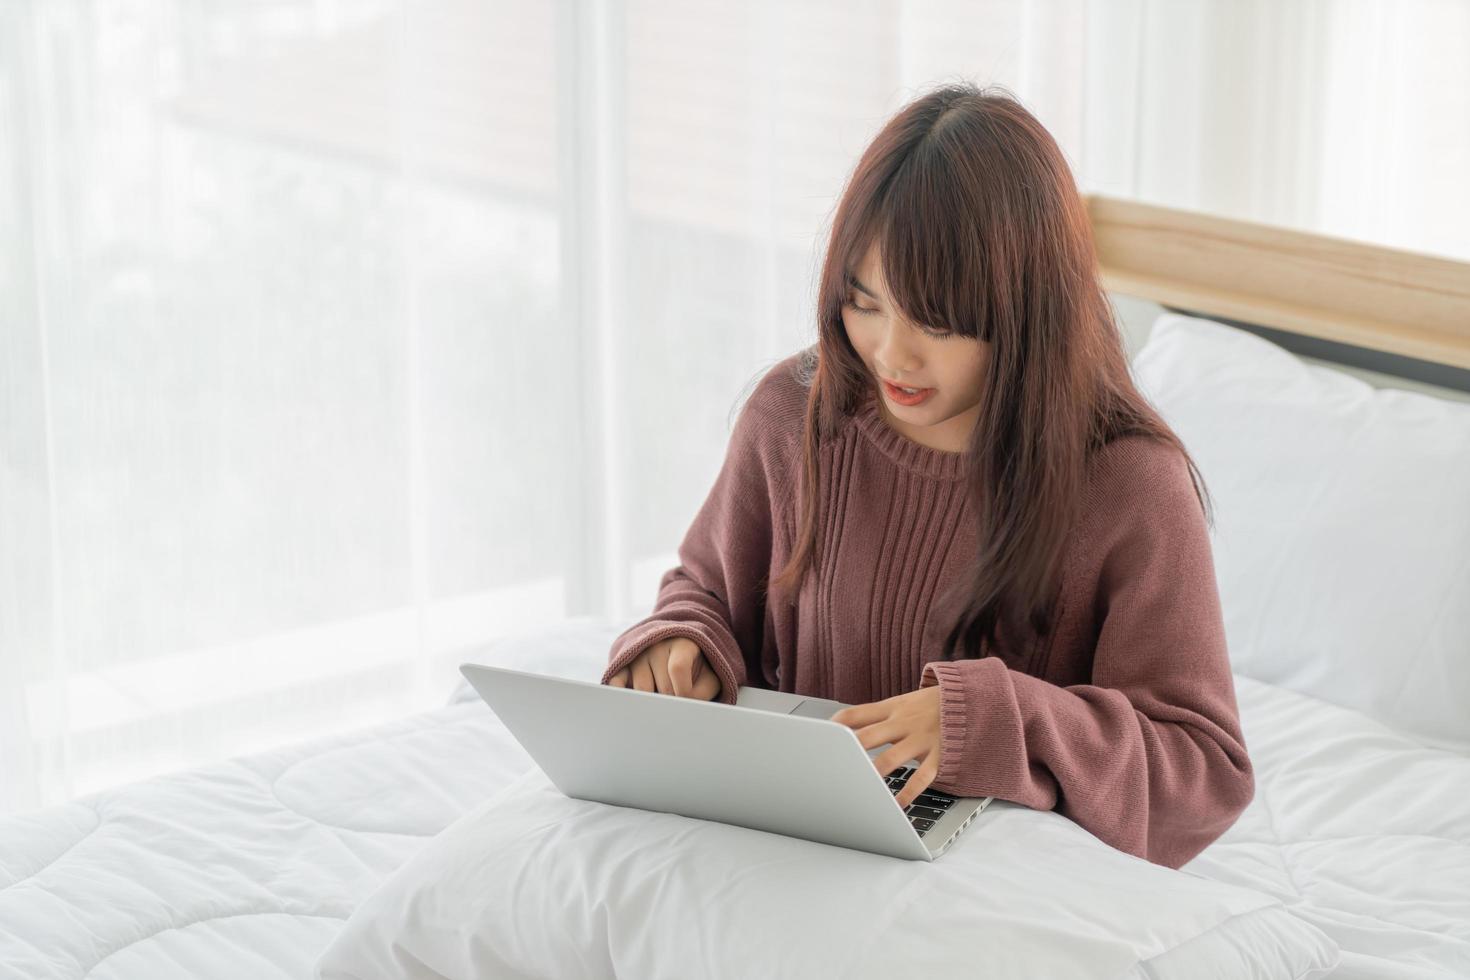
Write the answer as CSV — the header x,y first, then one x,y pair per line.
x,y
957,514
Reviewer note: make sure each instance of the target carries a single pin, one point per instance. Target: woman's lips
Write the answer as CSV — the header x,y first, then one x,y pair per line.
x,y
897,394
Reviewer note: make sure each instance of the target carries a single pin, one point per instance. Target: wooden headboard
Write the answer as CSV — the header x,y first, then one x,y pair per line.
x,y
1335,290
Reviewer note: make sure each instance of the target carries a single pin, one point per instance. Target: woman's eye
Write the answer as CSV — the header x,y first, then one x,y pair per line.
x,y
938,334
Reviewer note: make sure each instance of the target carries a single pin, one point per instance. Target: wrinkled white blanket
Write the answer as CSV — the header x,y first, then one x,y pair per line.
x,y
251,867
534,884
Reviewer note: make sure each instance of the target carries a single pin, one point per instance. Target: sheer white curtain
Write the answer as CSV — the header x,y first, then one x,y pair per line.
x,y
338,339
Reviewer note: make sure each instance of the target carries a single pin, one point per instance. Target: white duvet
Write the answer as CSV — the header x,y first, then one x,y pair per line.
x,y
249,868
533,885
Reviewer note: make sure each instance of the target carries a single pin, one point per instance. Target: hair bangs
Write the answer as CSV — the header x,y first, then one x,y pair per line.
x,y
927,238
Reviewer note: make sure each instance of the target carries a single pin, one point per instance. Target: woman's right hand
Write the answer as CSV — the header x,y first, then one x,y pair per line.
x,y
674,666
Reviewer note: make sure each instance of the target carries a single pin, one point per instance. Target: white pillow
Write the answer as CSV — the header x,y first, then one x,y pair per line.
x,y
535,884
1342,538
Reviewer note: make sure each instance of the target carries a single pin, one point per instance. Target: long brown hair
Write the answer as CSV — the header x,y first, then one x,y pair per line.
x,y
982,231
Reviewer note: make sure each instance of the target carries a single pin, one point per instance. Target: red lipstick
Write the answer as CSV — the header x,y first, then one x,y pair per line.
x,y
898,395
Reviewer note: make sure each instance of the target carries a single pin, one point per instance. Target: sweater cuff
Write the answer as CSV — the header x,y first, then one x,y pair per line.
x,y
730,671
982,738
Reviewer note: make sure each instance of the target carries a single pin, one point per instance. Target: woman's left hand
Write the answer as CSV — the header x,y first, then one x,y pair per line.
x,y
911,722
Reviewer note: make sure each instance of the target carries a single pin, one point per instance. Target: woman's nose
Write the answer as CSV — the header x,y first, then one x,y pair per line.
x,y
893,354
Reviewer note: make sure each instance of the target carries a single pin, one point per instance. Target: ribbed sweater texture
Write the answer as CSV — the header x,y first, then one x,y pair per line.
x,y
1122,718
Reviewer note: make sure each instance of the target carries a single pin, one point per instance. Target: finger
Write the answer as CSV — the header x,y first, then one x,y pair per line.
x,y
620,679
871,736
890,759
921,780
643,674
658,660
682,656
857,715
708,687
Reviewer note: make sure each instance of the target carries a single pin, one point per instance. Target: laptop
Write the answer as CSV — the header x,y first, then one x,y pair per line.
x,y
771,761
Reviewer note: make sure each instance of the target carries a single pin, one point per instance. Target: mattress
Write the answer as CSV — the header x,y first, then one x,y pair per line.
x,y
248,868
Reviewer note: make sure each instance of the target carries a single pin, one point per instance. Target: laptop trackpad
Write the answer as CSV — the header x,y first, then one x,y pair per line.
x,y
817,708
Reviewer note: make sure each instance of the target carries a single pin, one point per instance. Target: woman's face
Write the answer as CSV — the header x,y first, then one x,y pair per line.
x,y
894,349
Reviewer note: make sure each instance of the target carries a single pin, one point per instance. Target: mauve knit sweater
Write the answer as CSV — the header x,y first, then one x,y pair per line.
x,y
1126,722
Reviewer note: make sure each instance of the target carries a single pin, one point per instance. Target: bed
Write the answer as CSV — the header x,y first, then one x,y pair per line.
x,y
250,867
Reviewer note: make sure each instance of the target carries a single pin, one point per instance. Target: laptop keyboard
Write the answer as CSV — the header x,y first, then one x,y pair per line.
x,y
927,807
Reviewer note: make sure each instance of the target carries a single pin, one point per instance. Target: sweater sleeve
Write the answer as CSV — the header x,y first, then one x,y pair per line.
x,y
715,595
1149,757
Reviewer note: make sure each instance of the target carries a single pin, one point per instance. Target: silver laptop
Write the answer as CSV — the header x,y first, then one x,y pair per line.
x,y
772,761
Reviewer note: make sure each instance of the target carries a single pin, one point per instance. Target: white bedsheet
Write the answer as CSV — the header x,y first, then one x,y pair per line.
x,y
1357,828
248,868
